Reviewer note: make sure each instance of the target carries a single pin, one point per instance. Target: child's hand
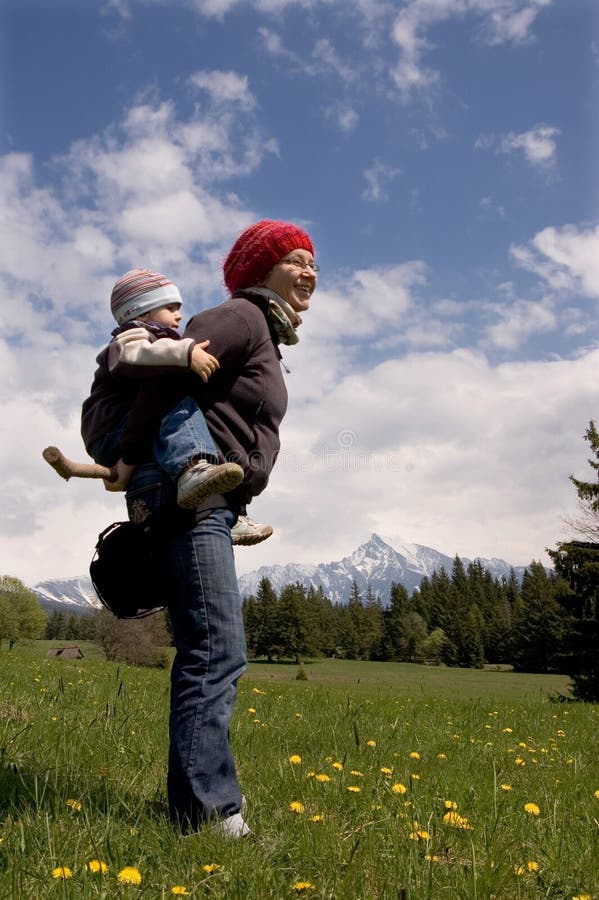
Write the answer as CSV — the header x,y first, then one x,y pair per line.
x,y
123,474
202,363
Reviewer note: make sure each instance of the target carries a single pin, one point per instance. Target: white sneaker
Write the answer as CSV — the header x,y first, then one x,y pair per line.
x,y
245,532
203,479
234,827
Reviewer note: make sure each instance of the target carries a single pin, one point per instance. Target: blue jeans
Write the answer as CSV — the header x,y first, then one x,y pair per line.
x,y
205,612
183,434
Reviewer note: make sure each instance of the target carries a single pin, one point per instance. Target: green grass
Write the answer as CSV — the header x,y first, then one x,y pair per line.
x,y
95,733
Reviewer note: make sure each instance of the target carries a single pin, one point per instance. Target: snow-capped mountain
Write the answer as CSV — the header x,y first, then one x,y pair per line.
x,y
375,565
68,595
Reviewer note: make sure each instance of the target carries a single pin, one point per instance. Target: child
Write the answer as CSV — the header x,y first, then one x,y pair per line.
x,y
131,413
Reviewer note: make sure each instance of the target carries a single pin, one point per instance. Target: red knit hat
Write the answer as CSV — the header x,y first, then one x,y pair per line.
x,y
258,249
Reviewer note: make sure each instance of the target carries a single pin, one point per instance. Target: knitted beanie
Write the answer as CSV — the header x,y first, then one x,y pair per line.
x,y
258,249
140,291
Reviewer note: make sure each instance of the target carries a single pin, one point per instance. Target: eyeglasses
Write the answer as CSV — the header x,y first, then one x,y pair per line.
x,y
301,264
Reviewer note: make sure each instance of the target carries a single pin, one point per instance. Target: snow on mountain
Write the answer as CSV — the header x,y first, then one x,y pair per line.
x,y
374,565
71,595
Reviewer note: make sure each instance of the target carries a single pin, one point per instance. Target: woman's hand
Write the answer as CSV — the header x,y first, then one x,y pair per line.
x,y
202,363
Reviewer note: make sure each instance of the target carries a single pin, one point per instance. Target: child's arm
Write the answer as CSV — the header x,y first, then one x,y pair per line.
x,y
134,355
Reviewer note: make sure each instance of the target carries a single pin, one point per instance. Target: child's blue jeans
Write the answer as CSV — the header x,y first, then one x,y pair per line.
x,y
183,435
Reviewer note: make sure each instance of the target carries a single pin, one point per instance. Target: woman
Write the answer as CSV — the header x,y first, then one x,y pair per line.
x,y
271,274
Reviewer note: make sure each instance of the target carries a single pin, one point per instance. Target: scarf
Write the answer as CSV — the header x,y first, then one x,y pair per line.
x,y
283,317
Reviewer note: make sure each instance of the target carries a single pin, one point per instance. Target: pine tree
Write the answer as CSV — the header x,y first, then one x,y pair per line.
x,y
578,563
542,624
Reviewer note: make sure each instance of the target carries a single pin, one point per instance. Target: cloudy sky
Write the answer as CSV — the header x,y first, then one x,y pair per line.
x,y
443,155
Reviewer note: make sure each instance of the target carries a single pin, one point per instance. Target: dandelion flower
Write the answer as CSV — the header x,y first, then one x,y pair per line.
x,y
97,867
507,730
300,886
386,770
296,807
354,789
529,867
295,759
582,897
532,808
519,761
596,794
317,818
323,777
338,766
398,788
414,755
415,776
252,710
180,890
454,818
419,835
74,804
371,743
505,787
62,872
450,804
129,875
211,867
358,774
441,756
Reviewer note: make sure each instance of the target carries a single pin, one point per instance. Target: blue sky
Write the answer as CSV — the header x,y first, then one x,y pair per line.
x,y
442,153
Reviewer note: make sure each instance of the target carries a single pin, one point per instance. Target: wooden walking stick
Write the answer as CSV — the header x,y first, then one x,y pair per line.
x,y
66,468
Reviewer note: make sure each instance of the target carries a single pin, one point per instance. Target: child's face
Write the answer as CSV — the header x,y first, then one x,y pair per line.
x,y
169,316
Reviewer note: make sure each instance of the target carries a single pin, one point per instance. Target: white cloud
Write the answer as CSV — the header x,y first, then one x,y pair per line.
x,y
566,258
501,21
538,144
225,87
376,176
519,321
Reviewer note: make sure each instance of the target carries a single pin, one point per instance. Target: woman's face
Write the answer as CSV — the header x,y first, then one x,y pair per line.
x,y
293,279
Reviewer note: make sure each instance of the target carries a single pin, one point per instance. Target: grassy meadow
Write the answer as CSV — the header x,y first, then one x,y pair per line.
x,y
368,780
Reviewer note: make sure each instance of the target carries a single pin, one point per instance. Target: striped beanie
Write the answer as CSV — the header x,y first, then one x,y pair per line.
x,y
258,249
140,291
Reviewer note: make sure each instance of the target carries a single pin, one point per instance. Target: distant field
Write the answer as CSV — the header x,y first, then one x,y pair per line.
x,y
369,780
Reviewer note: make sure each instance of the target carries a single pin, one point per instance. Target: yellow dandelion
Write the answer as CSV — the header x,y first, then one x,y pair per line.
x,y
432,857
296,807
386,770
519,761
338,766
371,743
358,774
295,759
582,897
310,774
300,886
532,866
398,788
414,755
354,789
180,890
532,808
129,875
441,756
457,821
450,804
258,691
419,835
299,716
62,872
252,710
570,761
323,777
596,794
317,818
505,787
211,867
97,867
415,776
507,730
74,804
